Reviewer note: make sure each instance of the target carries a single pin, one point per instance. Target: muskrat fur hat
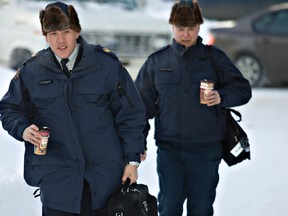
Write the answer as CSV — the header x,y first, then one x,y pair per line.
x,y
59,16
186,13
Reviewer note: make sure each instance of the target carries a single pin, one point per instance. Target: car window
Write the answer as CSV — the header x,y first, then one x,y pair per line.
x,y
127,4
279,24
273,23
262,23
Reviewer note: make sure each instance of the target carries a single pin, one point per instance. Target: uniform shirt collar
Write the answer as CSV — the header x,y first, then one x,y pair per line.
x,y
72,57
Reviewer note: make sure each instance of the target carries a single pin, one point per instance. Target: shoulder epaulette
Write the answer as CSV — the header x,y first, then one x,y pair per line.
x,y
38,53
17,75
160,50
105,50
34,55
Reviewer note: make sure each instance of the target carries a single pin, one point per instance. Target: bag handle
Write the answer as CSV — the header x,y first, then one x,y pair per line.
x,y
125,188
238,114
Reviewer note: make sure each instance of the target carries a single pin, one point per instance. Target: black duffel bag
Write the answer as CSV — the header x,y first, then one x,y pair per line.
x,y
131,200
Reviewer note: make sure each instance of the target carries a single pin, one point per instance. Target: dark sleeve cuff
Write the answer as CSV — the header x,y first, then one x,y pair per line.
x,y
132,156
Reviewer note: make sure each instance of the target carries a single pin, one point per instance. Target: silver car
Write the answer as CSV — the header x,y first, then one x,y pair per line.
x,y
258,45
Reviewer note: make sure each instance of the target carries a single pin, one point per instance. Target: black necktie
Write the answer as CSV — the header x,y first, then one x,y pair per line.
x,y
64,67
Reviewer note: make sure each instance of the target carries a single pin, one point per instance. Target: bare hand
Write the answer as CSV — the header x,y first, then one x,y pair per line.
x,y
32,135
143,156
213,98
130,172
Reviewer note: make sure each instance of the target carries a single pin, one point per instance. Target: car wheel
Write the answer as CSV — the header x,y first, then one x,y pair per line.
x,y
251,69
18,57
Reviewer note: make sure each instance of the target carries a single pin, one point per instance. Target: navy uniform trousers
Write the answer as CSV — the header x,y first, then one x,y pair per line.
x,y
187,171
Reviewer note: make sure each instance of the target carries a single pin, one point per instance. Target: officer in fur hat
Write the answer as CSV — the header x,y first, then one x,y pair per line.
x,y
188,133
94,112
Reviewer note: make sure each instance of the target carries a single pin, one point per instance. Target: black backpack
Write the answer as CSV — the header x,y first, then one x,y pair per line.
x,y
131,200
236,146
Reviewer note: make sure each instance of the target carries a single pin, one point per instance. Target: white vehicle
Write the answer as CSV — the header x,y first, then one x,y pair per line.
x,y
129,33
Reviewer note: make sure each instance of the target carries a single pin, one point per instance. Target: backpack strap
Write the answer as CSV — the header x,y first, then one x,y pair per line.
x,y
210,55
238,114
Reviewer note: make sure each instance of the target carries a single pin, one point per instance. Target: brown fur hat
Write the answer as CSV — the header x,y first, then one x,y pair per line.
x,y
59,16
186,13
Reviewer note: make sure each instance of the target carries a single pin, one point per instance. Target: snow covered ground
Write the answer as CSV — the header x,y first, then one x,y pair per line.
x,y
252,188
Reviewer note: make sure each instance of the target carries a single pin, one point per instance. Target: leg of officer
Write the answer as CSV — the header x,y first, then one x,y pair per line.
x,y
171,173
202,179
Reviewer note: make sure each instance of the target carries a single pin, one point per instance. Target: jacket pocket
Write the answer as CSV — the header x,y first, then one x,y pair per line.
x,y
37,167
92,96
46,95
166,76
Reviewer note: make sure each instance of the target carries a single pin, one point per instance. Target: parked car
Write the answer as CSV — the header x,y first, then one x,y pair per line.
x,y
129,33
126,4
233,9
258,45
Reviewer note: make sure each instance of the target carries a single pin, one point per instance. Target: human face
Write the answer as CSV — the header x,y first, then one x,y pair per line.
x,y
62,42
186,36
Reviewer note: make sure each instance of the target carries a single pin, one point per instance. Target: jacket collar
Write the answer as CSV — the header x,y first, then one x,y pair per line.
x,y
181,50
86,58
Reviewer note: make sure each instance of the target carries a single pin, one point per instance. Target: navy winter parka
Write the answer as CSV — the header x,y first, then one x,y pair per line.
x,y
96,119
169,84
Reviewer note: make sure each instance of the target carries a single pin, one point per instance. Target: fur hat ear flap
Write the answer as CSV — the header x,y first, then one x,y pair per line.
x,y
41,17
59,16
74,20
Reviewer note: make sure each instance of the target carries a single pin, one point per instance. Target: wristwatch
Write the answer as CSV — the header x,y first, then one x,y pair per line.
x,y
134,163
